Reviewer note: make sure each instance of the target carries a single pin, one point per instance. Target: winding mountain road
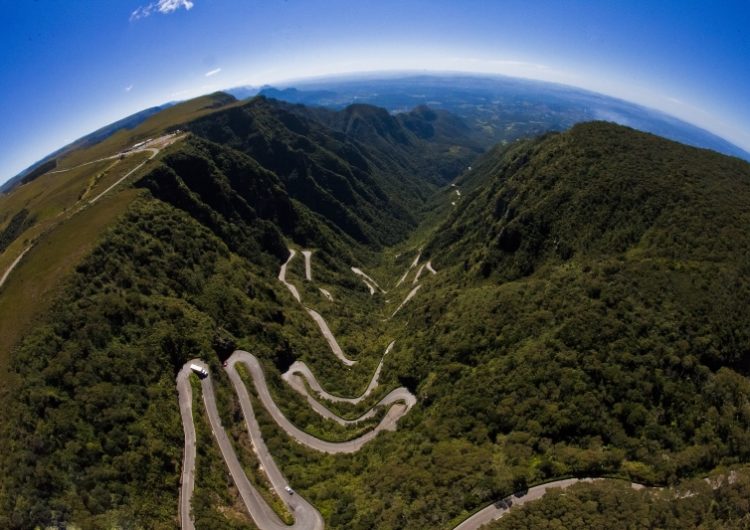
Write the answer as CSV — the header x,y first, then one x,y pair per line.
x,y
326,331
282,276
398,403
371,284
299,370
400,399
299,377
306,517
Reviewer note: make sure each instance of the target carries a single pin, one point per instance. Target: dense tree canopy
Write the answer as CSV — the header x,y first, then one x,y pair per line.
x,y
589,317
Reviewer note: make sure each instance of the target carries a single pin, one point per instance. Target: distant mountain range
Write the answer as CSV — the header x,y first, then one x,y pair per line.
x,y
503,107
497,108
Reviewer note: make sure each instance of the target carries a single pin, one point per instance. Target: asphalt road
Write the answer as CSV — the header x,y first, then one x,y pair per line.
x,y
305,515
498,509
298,371
418,274
408,297
308,269
187,479
282,276
371,284
413,264
325,293
334,345
400,400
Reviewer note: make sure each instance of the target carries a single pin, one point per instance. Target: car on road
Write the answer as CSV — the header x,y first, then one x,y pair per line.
x,y
199,370
289,490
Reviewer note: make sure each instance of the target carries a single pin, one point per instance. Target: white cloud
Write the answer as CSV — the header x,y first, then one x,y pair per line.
x,y
213,72
167,6
128,88
164,7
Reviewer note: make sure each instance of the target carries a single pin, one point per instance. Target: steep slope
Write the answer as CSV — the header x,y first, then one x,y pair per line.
x,y
602,320
359,168
443,140
243,203
90,168
601,190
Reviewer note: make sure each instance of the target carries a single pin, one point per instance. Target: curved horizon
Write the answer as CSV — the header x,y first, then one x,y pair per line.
x,y
72,67
375,75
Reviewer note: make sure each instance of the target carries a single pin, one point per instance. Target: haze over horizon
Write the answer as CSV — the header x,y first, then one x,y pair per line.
x,y
114,59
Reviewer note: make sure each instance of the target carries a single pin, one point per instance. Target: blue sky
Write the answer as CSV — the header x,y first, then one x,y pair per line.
x,y
69,67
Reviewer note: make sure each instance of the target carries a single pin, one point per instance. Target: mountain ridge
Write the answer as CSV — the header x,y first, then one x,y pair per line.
x,y
495,100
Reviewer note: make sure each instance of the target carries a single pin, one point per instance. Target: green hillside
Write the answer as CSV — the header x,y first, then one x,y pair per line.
x,y
187,270
359,168
598,323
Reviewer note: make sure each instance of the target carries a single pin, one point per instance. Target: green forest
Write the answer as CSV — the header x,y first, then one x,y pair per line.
x,y
588,317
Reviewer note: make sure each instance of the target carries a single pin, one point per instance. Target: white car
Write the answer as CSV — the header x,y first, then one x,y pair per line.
x,y
289,490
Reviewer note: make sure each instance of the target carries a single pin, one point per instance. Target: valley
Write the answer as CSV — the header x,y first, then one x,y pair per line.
x,y
406,331
305,515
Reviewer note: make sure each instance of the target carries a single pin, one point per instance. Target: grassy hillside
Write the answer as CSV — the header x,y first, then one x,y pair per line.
x,y
50,161
164,121
81,174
